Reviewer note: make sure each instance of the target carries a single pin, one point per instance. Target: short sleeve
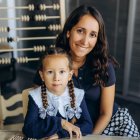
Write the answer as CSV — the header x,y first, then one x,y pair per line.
x,y
111,75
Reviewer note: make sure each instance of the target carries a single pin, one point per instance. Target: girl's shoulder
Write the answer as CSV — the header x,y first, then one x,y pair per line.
x,y
79,94
35,92
36,95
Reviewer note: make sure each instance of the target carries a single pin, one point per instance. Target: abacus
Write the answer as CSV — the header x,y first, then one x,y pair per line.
x,y
38,48
31,7
27,18
51,27
47,19
16,39
27,28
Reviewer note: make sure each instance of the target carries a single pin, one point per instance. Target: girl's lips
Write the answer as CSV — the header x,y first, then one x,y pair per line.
x,y
56,84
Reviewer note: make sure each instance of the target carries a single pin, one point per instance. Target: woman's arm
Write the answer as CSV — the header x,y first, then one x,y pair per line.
x,y
36,127
106,108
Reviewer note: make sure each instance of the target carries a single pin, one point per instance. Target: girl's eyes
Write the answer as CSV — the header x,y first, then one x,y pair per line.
x,y
62,71
49,72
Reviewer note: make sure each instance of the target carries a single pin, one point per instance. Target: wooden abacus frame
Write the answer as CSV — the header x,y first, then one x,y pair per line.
x,y
27,18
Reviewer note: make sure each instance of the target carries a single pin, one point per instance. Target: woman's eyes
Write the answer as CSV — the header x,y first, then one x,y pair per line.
x,y
82,31
93,35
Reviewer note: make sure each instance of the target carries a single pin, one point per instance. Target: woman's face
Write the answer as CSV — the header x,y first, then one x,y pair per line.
x,y
83,36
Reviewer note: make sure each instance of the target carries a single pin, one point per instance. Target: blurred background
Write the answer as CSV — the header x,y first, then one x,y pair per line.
x,y
122,27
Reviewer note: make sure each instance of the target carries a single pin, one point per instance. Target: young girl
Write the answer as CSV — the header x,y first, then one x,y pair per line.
x,y
56,109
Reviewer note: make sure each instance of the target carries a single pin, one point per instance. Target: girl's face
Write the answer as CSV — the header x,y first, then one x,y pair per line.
x,y
83,36
56,73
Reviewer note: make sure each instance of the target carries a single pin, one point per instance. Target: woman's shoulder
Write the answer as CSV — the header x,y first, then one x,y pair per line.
x,y
110,68
110,64
111,74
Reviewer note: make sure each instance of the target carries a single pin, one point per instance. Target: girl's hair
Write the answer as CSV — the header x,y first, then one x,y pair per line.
x,y
100,54
55,51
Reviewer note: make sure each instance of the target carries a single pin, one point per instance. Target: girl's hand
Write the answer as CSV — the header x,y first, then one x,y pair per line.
x,y
71,128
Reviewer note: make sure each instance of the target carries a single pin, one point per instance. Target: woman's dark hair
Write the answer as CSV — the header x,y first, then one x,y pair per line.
x,y
55,51
100,54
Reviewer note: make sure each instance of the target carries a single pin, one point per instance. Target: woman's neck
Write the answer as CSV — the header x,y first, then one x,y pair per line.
x,y
77,63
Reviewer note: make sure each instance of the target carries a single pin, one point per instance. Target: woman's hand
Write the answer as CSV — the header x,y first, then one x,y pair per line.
x,y
71,128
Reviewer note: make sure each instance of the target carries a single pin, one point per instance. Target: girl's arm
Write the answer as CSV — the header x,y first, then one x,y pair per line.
x,y
50,127
36,127
70,128
85,122
106,108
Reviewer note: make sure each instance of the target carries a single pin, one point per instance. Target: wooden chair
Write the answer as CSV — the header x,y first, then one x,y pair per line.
x,y
6,103
25,94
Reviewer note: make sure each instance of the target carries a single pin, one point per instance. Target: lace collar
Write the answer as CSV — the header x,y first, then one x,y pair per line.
x,y
59,104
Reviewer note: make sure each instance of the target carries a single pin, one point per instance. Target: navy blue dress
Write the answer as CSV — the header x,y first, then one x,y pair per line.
x,y
85,81
36,127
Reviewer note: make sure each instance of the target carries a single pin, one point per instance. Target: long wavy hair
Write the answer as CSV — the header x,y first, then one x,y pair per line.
x,y
100,56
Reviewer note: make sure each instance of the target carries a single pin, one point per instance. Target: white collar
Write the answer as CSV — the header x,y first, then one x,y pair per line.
x,y
57,103
53,97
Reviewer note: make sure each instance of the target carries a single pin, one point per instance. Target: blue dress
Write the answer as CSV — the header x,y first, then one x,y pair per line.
x,y
40,122
85,81
121,123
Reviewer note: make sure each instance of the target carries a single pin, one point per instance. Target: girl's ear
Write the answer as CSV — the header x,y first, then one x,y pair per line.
x,y
41,75
68,34
70,74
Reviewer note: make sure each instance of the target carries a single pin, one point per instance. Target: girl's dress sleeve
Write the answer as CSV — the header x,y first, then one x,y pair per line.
x,y
36,127
85,122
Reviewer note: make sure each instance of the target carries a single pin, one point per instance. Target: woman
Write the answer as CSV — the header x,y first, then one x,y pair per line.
x,y
84,37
